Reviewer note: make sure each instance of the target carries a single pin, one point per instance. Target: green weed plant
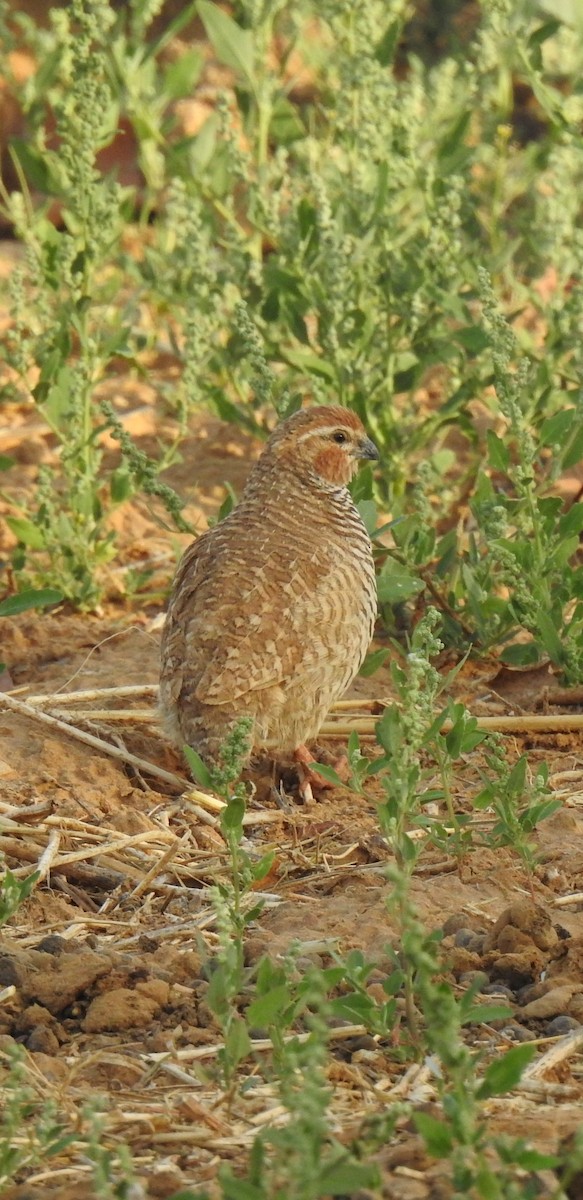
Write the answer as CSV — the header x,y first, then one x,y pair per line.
x,y
360,220
356,221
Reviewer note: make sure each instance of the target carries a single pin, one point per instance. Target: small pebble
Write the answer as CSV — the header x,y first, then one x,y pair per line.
x,y
8,972
518,1033
366,1056
148,944
307,963
495,988
453,923
560,1025
531,991
463,937
42,1039
475,944
53,944
358,1044
376,976
206,1017
164,1181
467,978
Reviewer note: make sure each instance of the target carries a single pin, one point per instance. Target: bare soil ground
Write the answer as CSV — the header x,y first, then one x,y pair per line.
x,y
104,965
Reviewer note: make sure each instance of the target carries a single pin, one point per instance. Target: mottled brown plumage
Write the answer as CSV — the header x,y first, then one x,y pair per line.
x,y
272,611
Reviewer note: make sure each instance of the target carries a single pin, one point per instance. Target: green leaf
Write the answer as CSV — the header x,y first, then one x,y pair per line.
x,y
267,1008
484,1013
327,773
504,1073
436,1134
34,165
235,1188
386,47
543,33
197,768
396,583
574,453
237,1041
549,98
56,402
498,453
233,45
521,654
562,554
455,136
232,815
362,486
269,975
202,147
353,744
285,125
389,731
404,360
61,1144
368,512
120,485
531,1160
472,338
29,598
409,849
263,867
26,532
6,462
394,983
572,521
308,362
550,638
517,777
373,661
180,77
346,1177
356,1007
539,812
556,429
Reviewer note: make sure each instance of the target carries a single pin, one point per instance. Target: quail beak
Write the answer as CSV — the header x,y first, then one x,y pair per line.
x,y
367,449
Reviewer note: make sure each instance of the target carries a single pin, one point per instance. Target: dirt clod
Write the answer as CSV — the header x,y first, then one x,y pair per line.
x,y
554,1003
42,1039
123,1008
530,919
53,981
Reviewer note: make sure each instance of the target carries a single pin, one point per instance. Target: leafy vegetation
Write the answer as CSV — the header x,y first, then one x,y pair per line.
x,y
12,892
362,219
358,240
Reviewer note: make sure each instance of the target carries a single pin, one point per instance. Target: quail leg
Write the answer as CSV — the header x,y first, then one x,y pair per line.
x,y
311,781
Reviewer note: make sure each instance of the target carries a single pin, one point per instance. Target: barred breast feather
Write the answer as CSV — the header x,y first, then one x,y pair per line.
x,y
272,611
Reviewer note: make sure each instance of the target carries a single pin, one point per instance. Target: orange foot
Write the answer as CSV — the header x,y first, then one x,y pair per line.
x,y
311,781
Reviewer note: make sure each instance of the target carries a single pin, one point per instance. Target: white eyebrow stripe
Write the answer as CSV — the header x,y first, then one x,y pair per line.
x,y
322,430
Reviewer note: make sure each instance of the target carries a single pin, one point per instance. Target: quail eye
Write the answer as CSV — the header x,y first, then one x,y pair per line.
x,y
339,437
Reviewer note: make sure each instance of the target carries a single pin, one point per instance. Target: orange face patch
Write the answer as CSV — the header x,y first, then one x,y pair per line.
x,y
335,465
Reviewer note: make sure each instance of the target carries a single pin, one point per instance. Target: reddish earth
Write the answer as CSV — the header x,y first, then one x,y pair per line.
x,y
103,965
102,970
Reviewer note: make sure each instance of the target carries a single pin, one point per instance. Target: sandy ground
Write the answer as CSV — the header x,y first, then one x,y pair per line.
x,y
104,963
